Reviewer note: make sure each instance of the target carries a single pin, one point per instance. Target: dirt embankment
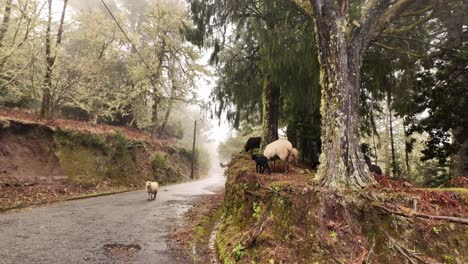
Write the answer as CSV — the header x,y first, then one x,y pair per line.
x,y
44,161
198,233
289,219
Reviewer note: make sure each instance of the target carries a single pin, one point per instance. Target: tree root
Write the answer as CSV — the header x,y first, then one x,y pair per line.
x,y
408,254
370,252
254,235
435,217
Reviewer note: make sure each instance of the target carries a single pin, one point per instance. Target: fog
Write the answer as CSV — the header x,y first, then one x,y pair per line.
x,y
210,131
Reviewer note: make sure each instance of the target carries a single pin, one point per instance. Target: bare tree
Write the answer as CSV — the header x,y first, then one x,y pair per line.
x,y
46,105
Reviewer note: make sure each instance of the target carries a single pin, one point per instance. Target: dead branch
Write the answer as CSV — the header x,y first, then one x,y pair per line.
x,y
435,217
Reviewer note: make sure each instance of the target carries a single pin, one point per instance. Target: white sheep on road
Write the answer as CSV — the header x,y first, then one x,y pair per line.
x,y
152,189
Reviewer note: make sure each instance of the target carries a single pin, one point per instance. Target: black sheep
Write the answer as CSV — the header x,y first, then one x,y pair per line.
x,y
315,165
252,143
373,168
261,163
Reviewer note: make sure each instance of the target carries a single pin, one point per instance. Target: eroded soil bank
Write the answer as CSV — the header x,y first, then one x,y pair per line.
x,y
289,219
42,161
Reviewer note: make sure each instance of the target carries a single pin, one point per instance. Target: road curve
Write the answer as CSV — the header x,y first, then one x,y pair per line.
x,y
84,231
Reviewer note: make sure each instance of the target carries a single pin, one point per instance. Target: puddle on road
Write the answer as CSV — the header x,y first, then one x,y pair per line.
x,y
121,252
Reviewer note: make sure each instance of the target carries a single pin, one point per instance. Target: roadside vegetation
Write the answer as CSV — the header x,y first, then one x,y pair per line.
x,y
96,97
372,94
352,85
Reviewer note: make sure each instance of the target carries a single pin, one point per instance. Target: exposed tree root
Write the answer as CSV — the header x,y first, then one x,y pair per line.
x,y
408,254
371,251
436,217
254,235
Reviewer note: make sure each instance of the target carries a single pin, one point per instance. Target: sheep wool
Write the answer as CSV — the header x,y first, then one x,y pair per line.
x,y
252,143
281,148
294,155
152,189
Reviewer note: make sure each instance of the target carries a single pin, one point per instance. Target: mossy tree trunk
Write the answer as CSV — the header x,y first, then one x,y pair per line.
x,y
342,162
271,103
6,21
46,104
341,46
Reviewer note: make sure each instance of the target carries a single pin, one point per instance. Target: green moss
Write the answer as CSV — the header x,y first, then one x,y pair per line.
x,y
91,159
283,216
281,184
448,258
291,218
74,138
159,161
120,145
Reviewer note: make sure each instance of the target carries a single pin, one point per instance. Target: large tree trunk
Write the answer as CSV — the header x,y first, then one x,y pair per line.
x,y
6,21
341,46
271,100
342,161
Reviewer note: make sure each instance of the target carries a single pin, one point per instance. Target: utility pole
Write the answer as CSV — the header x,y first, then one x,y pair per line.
x,y
193,148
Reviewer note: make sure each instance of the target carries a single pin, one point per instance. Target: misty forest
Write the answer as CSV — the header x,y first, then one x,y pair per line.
x,y
262,131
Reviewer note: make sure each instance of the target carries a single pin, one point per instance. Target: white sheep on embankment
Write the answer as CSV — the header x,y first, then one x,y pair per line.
x,y
281,149
152,189
294,157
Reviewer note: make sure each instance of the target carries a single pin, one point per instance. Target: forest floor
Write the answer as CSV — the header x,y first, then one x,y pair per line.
x,y
397,197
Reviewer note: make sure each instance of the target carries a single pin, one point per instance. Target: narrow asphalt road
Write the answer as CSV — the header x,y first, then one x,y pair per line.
x,y
87,231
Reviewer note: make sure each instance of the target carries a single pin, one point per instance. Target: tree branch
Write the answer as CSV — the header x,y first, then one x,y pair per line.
x,y
317,7
375,16
13,78
423,42
60,29
6,21
408,27
397,50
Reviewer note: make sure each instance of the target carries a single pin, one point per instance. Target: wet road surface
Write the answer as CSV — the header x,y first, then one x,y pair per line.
x,y
96,230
